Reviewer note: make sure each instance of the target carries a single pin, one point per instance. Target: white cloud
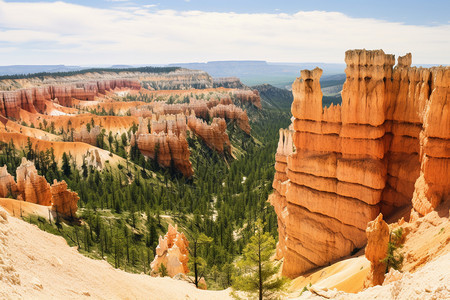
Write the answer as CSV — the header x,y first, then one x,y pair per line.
x,y
59,32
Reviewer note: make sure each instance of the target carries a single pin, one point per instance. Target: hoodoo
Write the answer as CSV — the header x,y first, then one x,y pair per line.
x,y
33,188
172,252
386,146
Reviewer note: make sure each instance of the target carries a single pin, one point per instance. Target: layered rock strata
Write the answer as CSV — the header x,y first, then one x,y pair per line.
x,y
33,188
33,99
385,147
172,252
164,139
231,112
213,135
280,184
166,148
248,96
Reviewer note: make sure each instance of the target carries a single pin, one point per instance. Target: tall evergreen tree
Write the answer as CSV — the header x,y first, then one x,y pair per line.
x,y
66,165
257,274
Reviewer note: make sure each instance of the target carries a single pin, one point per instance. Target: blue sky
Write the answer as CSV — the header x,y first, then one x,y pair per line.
x,y
143,31
415,12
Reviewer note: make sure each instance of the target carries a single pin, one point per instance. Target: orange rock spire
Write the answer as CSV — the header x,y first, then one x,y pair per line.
x,y
172,251
385,147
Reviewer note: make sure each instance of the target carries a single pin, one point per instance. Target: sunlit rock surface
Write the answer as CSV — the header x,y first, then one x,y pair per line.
x,y
385,147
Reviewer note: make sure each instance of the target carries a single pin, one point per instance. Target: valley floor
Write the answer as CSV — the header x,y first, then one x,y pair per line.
x,y
37,265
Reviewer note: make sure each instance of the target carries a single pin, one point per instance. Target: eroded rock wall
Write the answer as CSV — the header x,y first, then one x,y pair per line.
x,y
33,188
231,112
385,147
33,99
280,183
213,135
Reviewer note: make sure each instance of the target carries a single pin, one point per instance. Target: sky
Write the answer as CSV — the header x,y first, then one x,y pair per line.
x,y
106,32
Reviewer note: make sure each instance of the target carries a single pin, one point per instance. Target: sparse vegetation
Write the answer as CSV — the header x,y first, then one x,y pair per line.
x,y
394,258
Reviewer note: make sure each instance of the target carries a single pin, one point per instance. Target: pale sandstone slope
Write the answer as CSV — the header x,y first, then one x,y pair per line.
x,y
424,240
30,258
431,282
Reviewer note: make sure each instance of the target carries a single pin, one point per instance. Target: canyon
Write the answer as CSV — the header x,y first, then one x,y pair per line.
x,y
78,112
384,148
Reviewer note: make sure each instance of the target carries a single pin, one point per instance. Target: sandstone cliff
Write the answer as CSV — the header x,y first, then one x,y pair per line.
x,y
231,112
172,251
165,147
213,135
385,147
33,188
33,99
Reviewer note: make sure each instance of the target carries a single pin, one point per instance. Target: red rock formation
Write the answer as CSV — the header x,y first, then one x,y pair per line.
x,y
34,188
8,186
231,112
433,184
247,96
376,250
32,98
165,148
387,144
168,123
213,135
172,251
64,201
280,183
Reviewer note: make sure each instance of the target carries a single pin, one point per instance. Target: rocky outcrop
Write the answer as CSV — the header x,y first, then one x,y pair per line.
x,y
376,250
164,147
172,252
34,188
280,184
231,112
385,147
248,96
168,123
64,201
8,187
213,135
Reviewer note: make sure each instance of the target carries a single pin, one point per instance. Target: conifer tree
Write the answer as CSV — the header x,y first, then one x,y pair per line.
x,y
257,274
66,164
196,262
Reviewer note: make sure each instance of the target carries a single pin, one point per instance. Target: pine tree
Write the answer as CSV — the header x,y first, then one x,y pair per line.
x,y
394,259
257,273
66,164
196,262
